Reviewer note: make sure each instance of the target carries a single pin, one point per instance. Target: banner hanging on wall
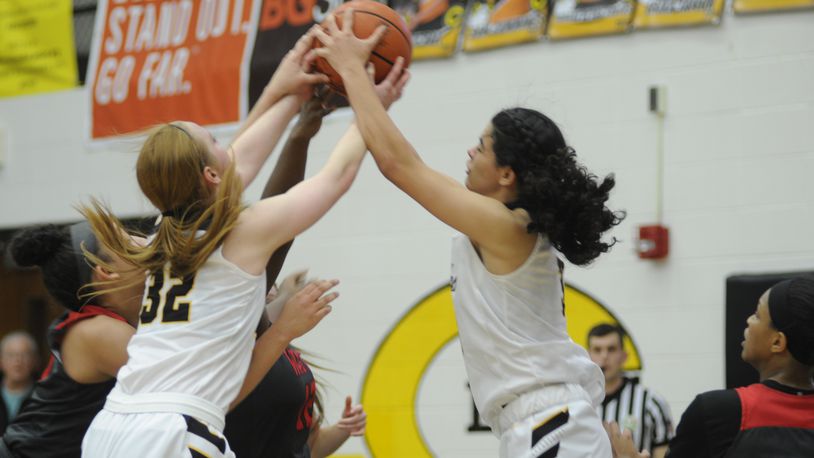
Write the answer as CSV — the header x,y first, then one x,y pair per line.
x,y
436,25
491,24
758,6
166,60
37,52
669,13
280,24
581,18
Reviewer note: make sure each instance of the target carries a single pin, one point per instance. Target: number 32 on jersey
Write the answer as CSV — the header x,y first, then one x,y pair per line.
x,y
166,295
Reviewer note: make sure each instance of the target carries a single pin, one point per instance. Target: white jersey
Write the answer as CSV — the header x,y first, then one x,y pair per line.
x,y
512,329
194,342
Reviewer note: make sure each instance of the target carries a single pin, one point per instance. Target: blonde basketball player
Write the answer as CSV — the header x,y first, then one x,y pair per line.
x,y
206,288
526,199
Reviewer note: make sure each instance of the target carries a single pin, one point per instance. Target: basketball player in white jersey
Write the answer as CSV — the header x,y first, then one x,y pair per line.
x,y
206,288
526,199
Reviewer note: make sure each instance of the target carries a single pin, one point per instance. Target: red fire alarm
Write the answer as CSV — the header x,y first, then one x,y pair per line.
x,y
654,242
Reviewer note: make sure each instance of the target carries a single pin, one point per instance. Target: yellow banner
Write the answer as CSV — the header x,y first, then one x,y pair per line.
x,y
37,52
755,6
435,25
493,24
669,13
581,18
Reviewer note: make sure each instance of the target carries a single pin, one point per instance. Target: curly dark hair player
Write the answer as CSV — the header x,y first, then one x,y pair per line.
x,y
526,198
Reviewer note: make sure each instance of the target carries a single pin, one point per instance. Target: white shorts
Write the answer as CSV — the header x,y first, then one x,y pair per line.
x,y
158,435
571,430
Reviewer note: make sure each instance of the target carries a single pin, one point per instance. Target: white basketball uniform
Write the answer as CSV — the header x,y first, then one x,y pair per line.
x,y
187,362
531,383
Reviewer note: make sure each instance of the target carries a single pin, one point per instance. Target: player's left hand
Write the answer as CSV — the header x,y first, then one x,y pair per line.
x,y
354,418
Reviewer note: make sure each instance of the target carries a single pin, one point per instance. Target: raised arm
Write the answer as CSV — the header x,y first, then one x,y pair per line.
x,y
290,85
301,313
323,441
268,224
444,197
290,168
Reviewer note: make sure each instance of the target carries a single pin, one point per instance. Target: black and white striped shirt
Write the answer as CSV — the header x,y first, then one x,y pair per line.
x,y
642,411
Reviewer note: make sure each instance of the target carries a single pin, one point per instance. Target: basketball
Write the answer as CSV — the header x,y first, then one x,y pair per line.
x,y
367,16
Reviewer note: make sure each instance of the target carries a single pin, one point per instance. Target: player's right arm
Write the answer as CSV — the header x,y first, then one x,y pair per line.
x,y
398,161
290,85
268,224
290,168
301,313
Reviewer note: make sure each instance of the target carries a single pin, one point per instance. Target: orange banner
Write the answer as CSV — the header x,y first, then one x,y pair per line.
x,y
162,60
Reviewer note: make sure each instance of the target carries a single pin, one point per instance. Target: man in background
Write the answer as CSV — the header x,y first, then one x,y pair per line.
x,y
627,402
18,360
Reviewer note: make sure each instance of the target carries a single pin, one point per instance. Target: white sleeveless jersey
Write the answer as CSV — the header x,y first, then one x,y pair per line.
x,y
194,340
512,329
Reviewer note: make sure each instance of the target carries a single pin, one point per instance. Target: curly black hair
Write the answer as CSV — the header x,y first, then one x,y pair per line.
x,y
565,201
50,248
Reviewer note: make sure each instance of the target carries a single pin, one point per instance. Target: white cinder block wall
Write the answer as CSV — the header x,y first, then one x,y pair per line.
x,y
738,187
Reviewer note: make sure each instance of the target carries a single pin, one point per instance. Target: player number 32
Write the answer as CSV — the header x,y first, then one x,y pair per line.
x,y
169,301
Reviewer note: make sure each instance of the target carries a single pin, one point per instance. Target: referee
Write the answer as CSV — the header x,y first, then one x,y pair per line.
x,y
627,402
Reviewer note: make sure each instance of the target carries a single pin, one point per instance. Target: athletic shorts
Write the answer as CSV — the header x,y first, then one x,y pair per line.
x,y
159,435
571,430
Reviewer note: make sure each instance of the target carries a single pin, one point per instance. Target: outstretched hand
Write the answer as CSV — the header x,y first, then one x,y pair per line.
x,y
312,113
622,442
293,75
341,48
354,418
306,308
392,86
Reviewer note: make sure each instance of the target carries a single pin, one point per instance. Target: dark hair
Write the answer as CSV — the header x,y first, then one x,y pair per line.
x,y
51,248
604,329
565,201
800,311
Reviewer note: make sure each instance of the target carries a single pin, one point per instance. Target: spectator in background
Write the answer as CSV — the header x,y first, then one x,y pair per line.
x,y
18,361
627,402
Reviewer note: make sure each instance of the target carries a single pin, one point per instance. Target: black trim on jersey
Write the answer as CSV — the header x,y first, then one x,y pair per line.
x,y
552,452
199,429
196,454
557,421
786,389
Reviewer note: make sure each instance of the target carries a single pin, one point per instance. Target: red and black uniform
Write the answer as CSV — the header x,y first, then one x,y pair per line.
x,y
53,421
764,420
274,421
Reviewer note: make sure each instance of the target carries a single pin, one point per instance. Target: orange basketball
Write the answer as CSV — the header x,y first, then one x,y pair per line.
x,y
367,16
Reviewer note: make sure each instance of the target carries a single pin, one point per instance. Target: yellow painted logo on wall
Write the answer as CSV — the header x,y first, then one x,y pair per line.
x,y
392,382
